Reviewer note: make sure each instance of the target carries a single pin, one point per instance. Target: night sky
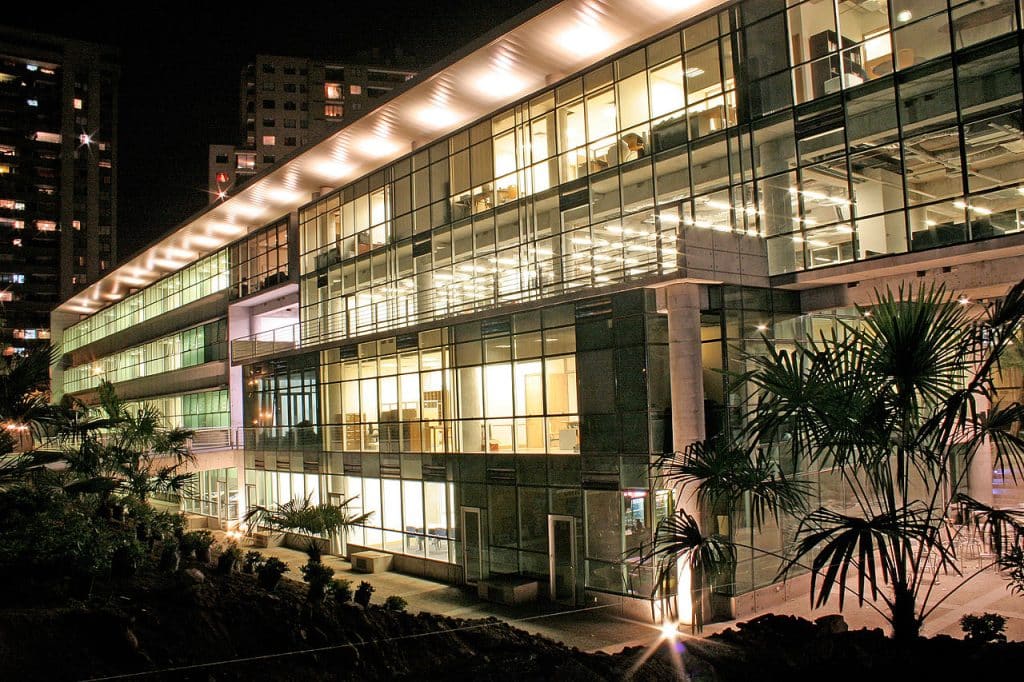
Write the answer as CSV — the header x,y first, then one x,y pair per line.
x,y
180,68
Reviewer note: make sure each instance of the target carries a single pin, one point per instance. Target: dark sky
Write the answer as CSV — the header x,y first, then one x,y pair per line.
x,y
180,67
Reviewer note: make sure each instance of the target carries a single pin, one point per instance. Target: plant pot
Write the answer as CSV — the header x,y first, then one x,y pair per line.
x,y
226,564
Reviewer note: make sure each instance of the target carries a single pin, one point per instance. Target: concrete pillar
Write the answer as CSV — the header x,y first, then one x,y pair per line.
x,y
979,473
682,303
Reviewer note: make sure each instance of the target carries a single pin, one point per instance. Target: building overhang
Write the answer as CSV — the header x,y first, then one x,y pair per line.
x,y
537,48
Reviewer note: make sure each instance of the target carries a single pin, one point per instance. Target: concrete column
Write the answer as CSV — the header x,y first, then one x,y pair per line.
x,y
979,473
682,303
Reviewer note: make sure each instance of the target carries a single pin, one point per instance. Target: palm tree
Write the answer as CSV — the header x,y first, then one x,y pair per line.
x,y
896,406
24,398
717,476
130,449
302,516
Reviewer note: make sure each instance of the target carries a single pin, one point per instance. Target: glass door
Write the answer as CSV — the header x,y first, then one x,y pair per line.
x,y
221,495
472,541
562,558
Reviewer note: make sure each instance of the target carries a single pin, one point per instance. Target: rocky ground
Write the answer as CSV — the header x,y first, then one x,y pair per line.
x,y
158,622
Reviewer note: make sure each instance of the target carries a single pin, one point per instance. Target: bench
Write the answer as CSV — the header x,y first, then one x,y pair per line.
x,y
371,562
508,589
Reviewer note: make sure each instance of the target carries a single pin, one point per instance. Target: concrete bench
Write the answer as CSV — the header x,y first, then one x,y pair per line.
x,y
508,590
371,562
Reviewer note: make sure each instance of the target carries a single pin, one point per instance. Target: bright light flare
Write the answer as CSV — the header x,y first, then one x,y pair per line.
x,y
437,117
332,170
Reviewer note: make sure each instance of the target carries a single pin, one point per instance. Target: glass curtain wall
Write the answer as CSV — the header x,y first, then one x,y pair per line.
x,y
188,348
204,277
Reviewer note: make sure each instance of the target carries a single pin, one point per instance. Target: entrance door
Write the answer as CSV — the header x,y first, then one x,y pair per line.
x,y
472,541
562,558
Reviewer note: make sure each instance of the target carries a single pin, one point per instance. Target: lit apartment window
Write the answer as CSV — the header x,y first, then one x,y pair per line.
x,y
43,136
8,150
76,103
105,163
355,89
31,67
32,102
245,161
222,178
333,111
12,205
332,90
4,169
85,138
269,140
6,296
46,226
103,146
76,224
16,242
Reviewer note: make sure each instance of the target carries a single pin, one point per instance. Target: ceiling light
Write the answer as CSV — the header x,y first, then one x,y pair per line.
x,y
903,16
694,71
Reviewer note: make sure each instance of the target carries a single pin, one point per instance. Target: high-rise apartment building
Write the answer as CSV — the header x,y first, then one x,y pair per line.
x,y
484,308
58,180
286,102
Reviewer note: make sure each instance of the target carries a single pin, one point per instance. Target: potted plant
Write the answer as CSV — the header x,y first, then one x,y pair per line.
x,y
395,603
363,593
201,541
170,557
229,559
319,577
269,573
251,562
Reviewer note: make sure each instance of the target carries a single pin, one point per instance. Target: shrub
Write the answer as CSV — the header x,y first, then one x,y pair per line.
x,y
269,573
342,591
252,561
319,577
170,557
988,627
197,542
363,593
395,603
229,559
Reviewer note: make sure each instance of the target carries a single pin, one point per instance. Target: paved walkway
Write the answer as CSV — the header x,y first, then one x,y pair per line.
x,y
599,629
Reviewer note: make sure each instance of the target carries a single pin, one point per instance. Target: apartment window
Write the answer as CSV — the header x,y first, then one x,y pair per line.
x,y
245,161
289,141
268,68
290,106
269,123
333,111
332,90
289,123
355,89
76,224
269,104
46,226
222,158
303,124
16,242
269,158
32,102
268,86
6,296
289,87
51,138
269,140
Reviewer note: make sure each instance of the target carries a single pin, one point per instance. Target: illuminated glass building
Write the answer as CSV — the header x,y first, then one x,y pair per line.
x,y
488,304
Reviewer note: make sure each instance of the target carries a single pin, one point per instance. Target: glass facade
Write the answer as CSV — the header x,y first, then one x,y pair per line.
x,y
204,277
200,410
259,261
188,348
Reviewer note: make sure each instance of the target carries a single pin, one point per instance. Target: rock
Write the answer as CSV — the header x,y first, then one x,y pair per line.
x,y
194,575
833,624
